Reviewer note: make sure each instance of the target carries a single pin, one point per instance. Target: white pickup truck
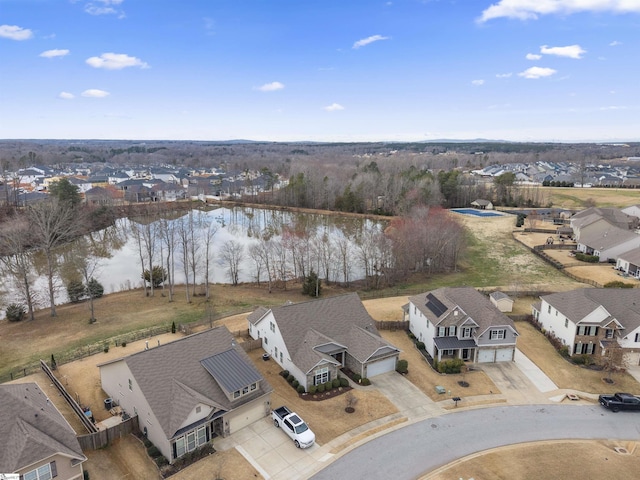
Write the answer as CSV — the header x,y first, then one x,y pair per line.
x,y
293,426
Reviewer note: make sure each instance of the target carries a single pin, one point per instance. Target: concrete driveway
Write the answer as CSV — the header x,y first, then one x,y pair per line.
x,y
521,381
408,399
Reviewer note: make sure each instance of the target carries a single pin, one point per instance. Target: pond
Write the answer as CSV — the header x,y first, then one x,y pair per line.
x,y
296,242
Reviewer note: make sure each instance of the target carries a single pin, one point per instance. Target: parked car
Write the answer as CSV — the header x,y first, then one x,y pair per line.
x,y
294,426
620,401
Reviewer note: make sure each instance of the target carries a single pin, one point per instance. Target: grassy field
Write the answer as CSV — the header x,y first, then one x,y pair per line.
x,y
579,198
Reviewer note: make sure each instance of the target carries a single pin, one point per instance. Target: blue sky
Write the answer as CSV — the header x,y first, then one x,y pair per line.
x,y
292,70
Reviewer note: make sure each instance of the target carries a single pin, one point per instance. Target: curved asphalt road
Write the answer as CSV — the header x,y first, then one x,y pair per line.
x,y
421,447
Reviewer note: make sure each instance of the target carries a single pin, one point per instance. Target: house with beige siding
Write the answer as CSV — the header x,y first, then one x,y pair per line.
x,y
461,323
314,340
187,392
36,441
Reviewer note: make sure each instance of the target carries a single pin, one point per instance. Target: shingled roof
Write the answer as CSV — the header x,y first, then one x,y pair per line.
x,y
341,319
174,379
622,303
474,304
32,429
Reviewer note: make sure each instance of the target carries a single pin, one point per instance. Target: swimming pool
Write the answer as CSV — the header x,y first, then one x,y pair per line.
x,y
477,213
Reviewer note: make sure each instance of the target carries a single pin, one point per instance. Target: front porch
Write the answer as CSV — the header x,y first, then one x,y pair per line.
x,y
448,348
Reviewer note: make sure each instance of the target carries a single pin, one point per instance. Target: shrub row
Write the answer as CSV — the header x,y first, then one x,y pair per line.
x,y
454,365
295,384
583,257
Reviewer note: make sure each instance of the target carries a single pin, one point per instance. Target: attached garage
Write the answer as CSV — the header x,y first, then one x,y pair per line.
x,y
381,366
632,358
504,354
486,356
247,414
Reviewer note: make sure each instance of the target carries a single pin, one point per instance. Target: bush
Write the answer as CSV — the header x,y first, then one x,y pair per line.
x,y
564,351
335,382
402,366
618,284
328,386
161,461
300,388
85,475
124,343
106,348
284,373
320,388
290,378
153,451
411,335
451,366
15,312
95,288
75,291
420,345
295,384
583,257
147,443
173,327
365,381
312,389
356,377
344,382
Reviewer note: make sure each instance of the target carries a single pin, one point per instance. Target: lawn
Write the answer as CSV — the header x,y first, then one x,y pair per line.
x,y
578,198
565,374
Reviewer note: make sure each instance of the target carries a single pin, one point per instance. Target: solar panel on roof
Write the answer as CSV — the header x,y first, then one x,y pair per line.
x,y
435,305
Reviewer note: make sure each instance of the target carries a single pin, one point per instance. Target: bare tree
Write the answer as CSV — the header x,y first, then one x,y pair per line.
x,y
232,254
168,230
209,230
86,256
53,224
17,261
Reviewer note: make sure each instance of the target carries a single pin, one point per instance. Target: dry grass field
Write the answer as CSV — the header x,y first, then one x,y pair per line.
x,y
579,198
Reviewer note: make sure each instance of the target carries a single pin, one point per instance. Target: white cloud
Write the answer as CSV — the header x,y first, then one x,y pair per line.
x,y
334,107
115,61
533,56
503,75
570,51
66,96
368,40
270,87
54,53
477,82
95,93
615,43
14,32
532,9
537,72
104,7
613,107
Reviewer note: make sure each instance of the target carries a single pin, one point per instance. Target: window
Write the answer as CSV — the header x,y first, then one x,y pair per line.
x,y
637,337
466,332
452,330
236,394
190,441
280,357
549,309
272,326
608,333
447,352
45,472
266,341
497,334
276,350
588,331
198,409
130,385
566,323
253,386
442,331
245,390
321,376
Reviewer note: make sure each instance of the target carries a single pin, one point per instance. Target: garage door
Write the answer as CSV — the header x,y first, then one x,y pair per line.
x,y
245,415
381,366
486,356
504,355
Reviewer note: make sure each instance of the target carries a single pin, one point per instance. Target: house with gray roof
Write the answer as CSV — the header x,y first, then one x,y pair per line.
x,y
629,263
314,340
36,440
461,322
606,241
585,320
189,391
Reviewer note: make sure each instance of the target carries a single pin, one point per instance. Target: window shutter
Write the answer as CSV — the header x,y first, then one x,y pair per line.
x,y
54,469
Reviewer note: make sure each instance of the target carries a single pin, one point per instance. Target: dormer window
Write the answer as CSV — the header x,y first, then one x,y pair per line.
x,y
466,332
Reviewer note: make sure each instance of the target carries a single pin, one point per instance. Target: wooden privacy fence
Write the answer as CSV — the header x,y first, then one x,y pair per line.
x,y
393,326
88,424
102,438
251,344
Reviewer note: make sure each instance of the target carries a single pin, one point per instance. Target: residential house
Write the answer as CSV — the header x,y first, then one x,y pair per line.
x,y
629,263
606,240
36,441
633,210
314,340
612,216
502,301
189,391
482,204
460,322
168,192
586,319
